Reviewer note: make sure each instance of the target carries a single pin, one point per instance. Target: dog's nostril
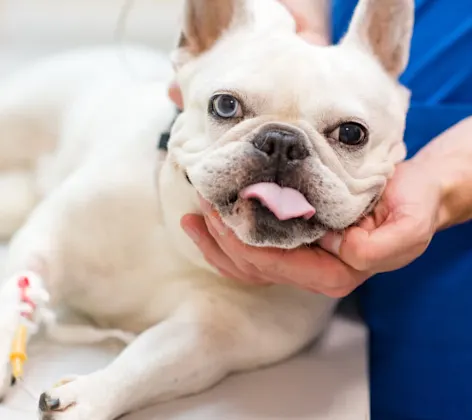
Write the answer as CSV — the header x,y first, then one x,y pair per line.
x,y
278,144
296,153
233,198
265,144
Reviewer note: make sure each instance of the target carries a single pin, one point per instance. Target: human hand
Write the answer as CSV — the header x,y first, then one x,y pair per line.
x,y
401,226
398,231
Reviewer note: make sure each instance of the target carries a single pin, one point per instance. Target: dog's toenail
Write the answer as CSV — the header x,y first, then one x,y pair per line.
x,y
13,381
54,404
43,406
47,403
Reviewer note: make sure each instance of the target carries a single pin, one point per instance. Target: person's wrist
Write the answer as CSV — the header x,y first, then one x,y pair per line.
x,y
445,183
455,206
447,161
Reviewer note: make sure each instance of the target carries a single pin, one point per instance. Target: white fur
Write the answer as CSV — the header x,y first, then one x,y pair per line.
x,y
105,243
99,242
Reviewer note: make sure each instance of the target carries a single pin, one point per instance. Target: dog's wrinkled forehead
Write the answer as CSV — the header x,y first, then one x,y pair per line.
x,y
288,140
207,21
302,83
251,46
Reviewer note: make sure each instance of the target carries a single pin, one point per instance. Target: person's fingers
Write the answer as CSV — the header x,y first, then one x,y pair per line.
x,y
389,247
236,250
196,228
257,264
371,244
332,241
175,95
312,269
243,255
325,272
227,241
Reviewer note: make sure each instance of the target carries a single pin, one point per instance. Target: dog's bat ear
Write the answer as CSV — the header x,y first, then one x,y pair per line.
x,y
384,28
205,21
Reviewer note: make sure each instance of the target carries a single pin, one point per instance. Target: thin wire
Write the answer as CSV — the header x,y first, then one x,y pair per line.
x,y
120,29
120,32
26,389
20,383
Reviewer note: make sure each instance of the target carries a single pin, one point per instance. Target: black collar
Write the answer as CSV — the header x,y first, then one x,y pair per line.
x,y
165,136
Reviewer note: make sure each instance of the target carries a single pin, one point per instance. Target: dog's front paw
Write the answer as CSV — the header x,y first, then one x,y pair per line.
x,y
79,399
6,335
5,380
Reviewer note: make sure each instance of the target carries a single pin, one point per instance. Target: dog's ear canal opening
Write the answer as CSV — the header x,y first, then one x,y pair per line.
x,y
385,28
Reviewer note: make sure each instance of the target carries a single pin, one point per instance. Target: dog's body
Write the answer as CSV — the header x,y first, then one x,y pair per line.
x,y
104,243
99,241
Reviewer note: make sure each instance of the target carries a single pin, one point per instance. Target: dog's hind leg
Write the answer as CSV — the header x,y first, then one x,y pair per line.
x,y
28,130
22,142
18,197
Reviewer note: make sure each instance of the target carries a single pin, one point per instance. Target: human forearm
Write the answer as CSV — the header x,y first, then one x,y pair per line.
x,y
448,158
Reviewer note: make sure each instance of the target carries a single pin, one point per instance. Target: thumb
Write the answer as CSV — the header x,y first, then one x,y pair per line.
x,y
389,247
332,242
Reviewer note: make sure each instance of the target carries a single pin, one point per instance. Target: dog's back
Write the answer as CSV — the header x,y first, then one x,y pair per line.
x,y
39,104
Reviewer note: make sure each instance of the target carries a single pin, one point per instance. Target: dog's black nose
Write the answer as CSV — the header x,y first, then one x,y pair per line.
x,y
281,145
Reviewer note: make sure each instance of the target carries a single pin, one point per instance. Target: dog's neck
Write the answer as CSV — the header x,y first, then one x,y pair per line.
x,y
164,138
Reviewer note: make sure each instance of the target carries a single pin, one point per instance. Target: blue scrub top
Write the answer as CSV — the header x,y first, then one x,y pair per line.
x,y
420,317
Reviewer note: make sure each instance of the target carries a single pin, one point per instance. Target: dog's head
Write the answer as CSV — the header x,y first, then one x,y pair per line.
x,y
289,140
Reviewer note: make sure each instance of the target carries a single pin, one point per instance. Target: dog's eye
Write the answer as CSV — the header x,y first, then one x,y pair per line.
x,y
350,133
225,106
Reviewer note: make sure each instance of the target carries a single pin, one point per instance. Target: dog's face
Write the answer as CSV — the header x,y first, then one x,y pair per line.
x,y
288,140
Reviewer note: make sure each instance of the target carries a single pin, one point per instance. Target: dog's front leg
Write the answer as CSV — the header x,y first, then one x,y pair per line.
x,y
179,356
23,299
190,351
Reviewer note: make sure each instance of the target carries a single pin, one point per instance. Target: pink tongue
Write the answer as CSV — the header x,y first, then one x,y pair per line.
x,y
285,203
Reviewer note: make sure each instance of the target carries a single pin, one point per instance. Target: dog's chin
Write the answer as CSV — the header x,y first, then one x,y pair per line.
x,y
255,225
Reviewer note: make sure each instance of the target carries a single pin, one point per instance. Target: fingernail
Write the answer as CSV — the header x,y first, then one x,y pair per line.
x,y
331,242
194,234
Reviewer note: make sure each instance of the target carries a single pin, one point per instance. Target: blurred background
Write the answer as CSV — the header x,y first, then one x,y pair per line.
x,y
33,28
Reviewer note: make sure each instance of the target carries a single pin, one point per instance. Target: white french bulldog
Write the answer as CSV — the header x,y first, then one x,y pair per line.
x,y
285,139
